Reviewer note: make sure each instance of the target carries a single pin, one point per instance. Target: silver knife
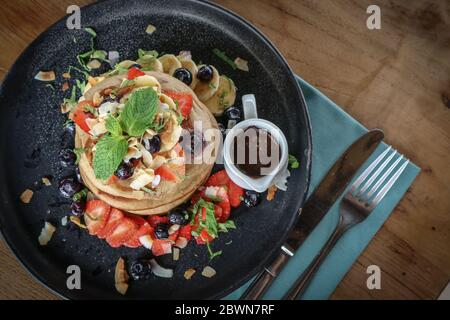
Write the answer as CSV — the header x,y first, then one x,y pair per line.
x,y
325,195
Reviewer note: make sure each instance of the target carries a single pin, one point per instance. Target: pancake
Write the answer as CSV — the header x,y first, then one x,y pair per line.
x,y
168,194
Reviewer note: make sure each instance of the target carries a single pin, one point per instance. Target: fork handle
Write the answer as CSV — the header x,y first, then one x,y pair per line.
x,y
300,285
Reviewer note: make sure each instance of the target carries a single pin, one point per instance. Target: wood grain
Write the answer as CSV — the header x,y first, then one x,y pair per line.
x,y
396,79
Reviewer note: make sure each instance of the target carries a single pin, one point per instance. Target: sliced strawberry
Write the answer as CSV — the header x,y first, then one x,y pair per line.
x,y
224,204
154,220
161,247
184,101
122,233
134,73
185,232
235,193
81,114
144,228
167,174
96,215
218,179
114,219
181,242
174,236
199,240
218,212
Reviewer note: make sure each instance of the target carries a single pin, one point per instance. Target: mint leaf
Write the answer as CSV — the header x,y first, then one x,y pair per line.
x,y
113,126
139,112
80,195
293,162
223,227
212,254
110,151
90,31
222,55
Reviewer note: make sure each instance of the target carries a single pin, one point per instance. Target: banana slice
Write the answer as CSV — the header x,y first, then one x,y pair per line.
x,y
205,90
150,63
171,134
126,63
192,67
170,63
223,98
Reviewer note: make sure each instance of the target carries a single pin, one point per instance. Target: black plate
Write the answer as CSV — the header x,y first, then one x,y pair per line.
x,y
31,130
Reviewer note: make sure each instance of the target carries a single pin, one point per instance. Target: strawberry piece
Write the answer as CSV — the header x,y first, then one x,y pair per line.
x,y
218,179
122,233
154,220
184,101
174,236
96,215
199,240
144,228
161,247
134,73
225,205
167,174
114,219
185,232
235,193
181,242
218,212
205,236
113,179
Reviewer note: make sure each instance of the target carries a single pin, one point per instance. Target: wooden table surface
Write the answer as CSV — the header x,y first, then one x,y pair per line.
x,y
396,79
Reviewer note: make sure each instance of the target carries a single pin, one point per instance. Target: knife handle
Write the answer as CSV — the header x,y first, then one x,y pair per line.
x,y
265,278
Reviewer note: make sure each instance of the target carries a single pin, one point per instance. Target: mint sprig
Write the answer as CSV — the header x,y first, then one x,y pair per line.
x,y
293,162
113,126
139,112
110,151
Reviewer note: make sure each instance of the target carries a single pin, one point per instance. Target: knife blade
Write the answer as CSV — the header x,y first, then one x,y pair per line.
x,y
324,196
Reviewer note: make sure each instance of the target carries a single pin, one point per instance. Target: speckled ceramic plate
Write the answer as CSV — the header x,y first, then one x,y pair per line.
x,y
31,131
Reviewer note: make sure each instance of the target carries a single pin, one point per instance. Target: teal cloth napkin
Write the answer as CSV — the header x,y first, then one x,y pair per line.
x,y
333,131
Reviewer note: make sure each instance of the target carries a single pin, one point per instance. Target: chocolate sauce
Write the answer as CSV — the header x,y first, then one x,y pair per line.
x,y
255,152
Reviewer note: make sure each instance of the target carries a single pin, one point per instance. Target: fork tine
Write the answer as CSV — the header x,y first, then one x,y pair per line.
x,y
376,174
368,170
389,184
383,177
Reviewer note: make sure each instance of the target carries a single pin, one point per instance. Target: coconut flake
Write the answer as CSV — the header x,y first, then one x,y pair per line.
x,y
65,86
189,273
76,221
176,254
181,242
45,76
46,181
185,55
146,241
26,196
66,75
46,233
156,181
160,271
64,221
174,228
142,179
241,64
150,29
107,108
208,272
121,277
271,192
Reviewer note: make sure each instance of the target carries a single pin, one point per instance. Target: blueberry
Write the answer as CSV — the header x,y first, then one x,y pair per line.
x,y
135,65
233,113
184,75
70,127
178,216
162,231
205,73
251,198
78,175
77,207
124,171
67,157
153,145
140,270
222,129
69,186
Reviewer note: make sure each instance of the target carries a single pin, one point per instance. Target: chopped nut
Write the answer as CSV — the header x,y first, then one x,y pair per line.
x,y
66,75
65,86
94,64
189,273
121,277
26,196
76,221
241,64
64,221
176,254
271,192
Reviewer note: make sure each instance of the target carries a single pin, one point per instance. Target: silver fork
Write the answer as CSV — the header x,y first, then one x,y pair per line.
x,y
364,195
